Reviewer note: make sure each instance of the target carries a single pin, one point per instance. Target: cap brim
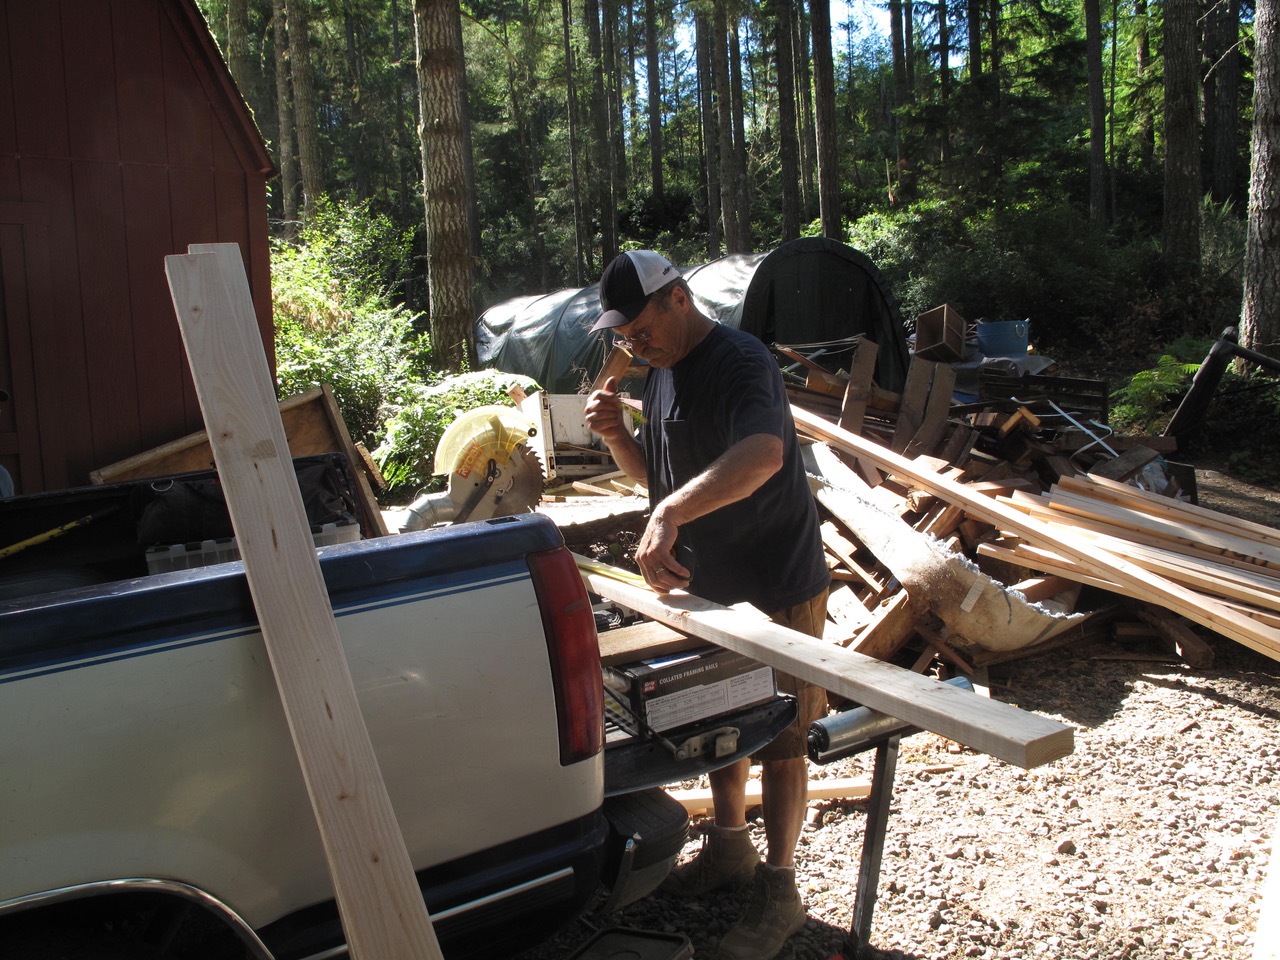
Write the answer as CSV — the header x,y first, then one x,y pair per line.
x,y
619,317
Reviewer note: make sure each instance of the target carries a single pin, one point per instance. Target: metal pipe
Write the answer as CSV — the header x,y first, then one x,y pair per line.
x,y
844,734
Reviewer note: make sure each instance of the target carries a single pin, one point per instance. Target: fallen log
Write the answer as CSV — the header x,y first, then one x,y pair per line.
x,y
972,604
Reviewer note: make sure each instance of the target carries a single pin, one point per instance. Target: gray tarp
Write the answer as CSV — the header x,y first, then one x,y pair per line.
x,y
808,291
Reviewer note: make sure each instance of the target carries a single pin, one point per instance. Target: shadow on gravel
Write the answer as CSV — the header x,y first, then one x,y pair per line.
x,y
1081,692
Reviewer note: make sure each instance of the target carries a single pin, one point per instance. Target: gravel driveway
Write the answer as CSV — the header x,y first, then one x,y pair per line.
x,y
1150,841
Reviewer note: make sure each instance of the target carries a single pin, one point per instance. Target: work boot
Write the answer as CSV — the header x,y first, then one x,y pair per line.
x,y
774,912
727,858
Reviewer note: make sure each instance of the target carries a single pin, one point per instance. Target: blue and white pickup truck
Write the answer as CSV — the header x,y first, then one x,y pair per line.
x,y
148,787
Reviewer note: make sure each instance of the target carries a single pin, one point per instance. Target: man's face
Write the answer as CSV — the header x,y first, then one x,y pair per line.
x,y
653,336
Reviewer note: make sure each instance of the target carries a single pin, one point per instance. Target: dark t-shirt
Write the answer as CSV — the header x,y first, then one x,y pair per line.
x,y
766,548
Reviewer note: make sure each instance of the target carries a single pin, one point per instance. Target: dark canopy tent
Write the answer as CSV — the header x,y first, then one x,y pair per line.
x,y
809,292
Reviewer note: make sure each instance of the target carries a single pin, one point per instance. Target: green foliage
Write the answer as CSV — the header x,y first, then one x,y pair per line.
x,y
1241,427
333,322
1145,403
1035,260
415,427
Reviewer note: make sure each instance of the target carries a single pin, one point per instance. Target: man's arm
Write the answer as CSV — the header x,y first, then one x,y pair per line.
x,y
733,476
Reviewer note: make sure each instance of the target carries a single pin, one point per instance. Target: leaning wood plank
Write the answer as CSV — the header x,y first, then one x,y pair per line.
x,y
1203,610
1123,494
914,396
861,372
853,409
893,624
1004,731
1094,528
936,410
1189,534
381,906
698,800
1177,633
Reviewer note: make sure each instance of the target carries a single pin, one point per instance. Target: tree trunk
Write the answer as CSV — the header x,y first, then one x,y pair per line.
x,y
306,122
238,44
710,131
284,119
974,59
443,133
724,125
824,97
804,122
355,76
606,204
521,85
944,51
1260,316
908,51
1097,116
1181,248
654,74
788,147
615,77
737,109
571,109
898,50
944,77
1146,135
1225,107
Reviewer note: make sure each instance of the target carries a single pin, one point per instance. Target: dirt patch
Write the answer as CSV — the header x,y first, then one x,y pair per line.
x,y
1220,491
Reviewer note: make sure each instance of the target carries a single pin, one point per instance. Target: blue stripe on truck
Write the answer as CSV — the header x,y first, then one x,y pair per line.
x,y
102,623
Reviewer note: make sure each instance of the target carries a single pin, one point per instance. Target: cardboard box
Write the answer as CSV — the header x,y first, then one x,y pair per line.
x,y
670,691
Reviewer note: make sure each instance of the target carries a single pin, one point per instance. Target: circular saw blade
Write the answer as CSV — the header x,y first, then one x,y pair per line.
x,y
491,471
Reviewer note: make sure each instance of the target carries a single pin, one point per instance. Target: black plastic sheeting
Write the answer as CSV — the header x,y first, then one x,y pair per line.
x,y
807,293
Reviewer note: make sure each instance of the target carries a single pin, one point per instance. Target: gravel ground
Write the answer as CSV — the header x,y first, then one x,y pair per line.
x,y
1150,841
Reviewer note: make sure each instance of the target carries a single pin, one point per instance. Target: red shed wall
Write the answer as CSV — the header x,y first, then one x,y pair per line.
x,y
122,140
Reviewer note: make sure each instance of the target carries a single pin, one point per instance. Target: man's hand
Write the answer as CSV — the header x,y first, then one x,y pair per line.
x,y
655,555
605,414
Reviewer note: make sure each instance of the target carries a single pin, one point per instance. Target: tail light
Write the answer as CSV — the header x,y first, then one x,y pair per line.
x,y
570,628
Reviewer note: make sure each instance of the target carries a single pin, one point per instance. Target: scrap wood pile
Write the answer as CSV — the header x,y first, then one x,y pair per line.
x,y
1001,529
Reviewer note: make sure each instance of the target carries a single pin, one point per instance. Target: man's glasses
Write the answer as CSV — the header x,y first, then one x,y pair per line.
x,y
637,338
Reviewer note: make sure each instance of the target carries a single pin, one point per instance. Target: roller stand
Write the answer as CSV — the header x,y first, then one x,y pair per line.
x,y
857,945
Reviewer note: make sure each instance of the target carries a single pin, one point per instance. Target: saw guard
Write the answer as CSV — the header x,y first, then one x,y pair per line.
x,y
480,435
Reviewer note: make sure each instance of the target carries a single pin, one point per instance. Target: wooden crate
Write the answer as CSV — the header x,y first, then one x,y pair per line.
x,y
1090,399
313,424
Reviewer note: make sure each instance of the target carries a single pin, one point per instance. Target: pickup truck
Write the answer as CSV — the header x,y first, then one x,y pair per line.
x,y
149,792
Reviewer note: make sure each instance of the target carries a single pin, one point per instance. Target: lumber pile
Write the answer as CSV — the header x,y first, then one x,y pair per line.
x,y
1041,500
960,535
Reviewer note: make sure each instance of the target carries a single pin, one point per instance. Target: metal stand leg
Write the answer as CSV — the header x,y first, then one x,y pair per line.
x,y
873,845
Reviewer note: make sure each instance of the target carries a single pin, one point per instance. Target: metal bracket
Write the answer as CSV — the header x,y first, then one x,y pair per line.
x,y
719,742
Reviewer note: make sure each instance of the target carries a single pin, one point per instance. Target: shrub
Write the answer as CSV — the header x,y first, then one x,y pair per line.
x,y
414,430
335,322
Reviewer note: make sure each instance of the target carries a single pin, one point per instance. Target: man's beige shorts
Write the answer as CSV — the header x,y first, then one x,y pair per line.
x,y
811,701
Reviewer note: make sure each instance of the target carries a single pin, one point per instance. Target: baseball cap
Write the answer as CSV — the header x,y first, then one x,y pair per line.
x,y
626,284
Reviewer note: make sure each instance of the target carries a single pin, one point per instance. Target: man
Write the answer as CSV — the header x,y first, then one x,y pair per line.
x,y
732,519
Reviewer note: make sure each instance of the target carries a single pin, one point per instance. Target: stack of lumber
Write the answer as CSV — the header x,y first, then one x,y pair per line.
x,y
1040,505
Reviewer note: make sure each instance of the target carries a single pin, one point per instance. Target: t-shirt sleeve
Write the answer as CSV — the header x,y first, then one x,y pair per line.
x,y
755,401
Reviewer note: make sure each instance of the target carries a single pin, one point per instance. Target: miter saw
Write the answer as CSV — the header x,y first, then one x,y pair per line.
x,y
492,471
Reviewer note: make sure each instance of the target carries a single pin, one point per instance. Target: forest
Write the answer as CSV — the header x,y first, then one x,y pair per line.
x,y
1107,170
